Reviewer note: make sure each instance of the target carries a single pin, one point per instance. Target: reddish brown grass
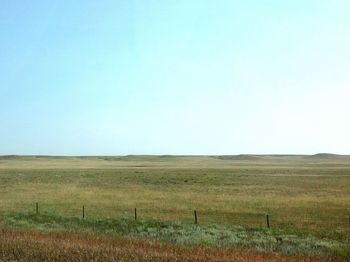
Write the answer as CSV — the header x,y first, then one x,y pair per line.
x,y
66,246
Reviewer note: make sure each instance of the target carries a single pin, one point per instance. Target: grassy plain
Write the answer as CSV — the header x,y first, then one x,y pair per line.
x,y
303,195
38,246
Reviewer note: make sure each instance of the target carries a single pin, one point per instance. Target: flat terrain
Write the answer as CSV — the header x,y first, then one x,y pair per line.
x,y
35,246
303,195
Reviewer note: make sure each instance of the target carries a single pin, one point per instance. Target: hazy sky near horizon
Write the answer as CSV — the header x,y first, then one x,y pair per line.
x,y
174,77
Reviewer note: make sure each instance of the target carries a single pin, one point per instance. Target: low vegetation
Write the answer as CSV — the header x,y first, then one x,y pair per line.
x,y
212,235
306,198
38,246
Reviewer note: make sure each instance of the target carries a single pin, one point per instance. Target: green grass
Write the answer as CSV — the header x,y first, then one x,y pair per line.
x,y
304,195
259,239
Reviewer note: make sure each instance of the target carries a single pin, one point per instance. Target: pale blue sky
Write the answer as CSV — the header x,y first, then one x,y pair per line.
x,y
174,77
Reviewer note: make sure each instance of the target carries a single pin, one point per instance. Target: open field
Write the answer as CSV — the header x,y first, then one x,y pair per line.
x,y
35,246
305,196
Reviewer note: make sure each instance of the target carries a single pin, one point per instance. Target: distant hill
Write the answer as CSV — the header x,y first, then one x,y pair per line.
x,y
327,156
239,157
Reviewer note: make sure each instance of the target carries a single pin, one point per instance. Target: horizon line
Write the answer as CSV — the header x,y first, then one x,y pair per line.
x,y
175,155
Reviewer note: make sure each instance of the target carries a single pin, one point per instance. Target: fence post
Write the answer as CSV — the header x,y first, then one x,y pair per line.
x,y
37,208
135,214
83,211
267,221
195,217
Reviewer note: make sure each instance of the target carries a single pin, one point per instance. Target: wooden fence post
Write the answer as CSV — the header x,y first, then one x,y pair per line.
x,y
135,214
195,217
267,221
83,211
37,208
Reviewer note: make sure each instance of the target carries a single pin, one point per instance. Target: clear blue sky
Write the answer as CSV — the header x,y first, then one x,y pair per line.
x,y
174,77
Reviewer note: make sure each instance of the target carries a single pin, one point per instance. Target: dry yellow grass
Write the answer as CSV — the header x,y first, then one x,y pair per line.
x,y
36,246
304,195
299,191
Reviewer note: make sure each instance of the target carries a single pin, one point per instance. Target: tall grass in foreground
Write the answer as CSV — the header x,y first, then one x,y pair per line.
x,y
270,240
39,246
